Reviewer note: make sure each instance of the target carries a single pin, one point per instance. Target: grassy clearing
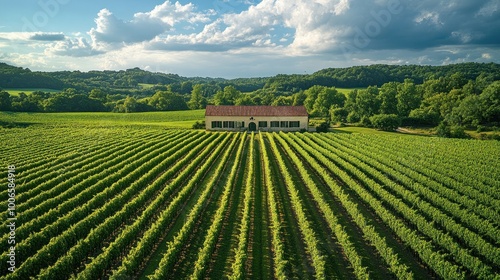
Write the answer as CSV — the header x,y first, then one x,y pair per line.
x,y
172,119
146,86
345,91
356,129
17,91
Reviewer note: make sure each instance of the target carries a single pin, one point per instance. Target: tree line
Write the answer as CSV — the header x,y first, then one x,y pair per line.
x,y
386,96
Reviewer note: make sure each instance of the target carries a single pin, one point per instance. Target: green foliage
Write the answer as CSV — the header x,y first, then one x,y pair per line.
x,y
353,117
387,96
367,102
5,102
408,98
197,101
167,101
190,203
423,116
299,98
447,131
228,96
244,99
338,115
490,102
323,127
199,125
464,94
387,122
283,101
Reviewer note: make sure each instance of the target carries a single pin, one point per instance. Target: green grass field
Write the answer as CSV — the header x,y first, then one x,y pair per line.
x,y
17,91
345,91
177,119
146,86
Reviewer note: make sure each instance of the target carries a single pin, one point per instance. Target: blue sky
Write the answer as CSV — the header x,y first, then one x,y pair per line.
x,y
245,38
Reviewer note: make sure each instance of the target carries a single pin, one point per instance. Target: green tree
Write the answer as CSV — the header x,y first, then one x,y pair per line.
x,y
469,112
490,102
424,116
408,97
244,99
227,96
197,101
283,101
167,101
387,122
5,102
130,105
98,94
338,115
186,87
367,102
327,98
22,103
299,98
312,93
387,96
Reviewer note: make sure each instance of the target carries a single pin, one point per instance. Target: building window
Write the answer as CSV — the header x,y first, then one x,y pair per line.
x,y
216,124
275,124
284,124
294,124
262,124
228,124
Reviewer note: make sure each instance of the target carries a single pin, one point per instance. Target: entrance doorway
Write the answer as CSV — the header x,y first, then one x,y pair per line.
x,y
252,126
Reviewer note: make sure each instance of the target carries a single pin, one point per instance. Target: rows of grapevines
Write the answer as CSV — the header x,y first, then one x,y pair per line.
x,y
213,231
82,219
129,233
133,260
91,194
432,168
403,162
55,173
175,245
454,157
424,187
463,256
298,208
96,169
279,260
332,221
240,255
352,208
425,249
49,144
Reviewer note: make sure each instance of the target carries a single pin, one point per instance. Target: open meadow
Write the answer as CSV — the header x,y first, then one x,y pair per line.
x,y
142,195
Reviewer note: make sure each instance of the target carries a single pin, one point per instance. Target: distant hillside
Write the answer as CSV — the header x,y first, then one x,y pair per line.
x,y
377,75
351,77
17,77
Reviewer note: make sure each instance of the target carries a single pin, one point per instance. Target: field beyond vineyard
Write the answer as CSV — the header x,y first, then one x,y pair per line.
x,y
126,198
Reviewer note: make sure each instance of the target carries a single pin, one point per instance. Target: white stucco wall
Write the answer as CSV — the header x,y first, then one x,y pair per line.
x,y
302,119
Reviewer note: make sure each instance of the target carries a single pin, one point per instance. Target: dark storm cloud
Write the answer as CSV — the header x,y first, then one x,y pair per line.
x,y
422,24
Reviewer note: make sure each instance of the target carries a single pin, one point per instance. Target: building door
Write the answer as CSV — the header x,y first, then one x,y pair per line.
x,y
252,126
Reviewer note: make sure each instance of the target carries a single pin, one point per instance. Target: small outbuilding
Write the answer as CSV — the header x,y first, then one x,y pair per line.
x,y
256,118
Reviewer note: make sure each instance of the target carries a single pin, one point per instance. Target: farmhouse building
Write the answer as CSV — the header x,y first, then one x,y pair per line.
x,y
254,118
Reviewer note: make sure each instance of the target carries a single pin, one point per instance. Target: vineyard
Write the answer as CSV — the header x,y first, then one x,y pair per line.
x,y
104,202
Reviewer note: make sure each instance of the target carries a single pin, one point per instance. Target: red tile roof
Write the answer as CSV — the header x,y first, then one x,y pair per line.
x,y
228,110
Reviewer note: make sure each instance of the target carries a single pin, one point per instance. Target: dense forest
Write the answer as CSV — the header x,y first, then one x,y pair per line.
x,y
385,96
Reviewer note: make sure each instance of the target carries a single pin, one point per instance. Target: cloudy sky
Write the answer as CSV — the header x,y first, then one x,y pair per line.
x,y
245,38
